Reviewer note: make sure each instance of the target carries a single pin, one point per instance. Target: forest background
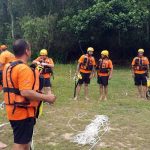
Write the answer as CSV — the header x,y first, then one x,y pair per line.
x,y
67,27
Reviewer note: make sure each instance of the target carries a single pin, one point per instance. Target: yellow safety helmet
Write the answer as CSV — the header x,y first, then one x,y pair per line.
x,y
3,47
43,52
105,53
90,49
140,50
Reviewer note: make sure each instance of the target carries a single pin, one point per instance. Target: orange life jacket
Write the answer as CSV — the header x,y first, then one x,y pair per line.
x,y
140,64
87,63
102,66
12,94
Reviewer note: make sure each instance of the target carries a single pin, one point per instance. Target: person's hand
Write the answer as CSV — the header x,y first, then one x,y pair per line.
x,y
95,75
91,76
50,98
110,77
147,75
44,64
38,63
133,75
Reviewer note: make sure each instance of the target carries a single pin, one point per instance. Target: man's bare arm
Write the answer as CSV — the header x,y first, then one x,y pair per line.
x,y
33,95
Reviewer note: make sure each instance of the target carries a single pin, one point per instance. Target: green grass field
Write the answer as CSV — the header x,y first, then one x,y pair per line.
x,y
129,116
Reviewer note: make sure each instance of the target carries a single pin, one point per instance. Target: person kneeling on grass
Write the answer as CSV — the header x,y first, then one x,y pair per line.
x,y
140,69
104,73
85,68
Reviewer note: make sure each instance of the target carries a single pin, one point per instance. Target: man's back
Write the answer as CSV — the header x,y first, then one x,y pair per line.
x,y
20,77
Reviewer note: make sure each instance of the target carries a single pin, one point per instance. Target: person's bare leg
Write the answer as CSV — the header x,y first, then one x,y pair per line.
x,y
47,90
21,147
86,91
78,89
105,92
144,90
140,91
101,92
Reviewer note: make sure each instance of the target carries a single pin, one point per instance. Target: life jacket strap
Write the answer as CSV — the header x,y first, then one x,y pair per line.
x,y
11,90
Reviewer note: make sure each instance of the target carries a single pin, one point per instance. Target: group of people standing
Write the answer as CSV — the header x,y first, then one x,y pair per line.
x,y
87,68
26,87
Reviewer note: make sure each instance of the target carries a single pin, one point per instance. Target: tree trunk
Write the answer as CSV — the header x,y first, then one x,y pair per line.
x,y
147,30
44,3
12,18
119,38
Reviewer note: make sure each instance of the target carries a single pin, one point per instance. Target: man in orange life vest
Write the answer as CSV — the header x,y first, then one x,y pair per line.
x,y
85,68
21,96
47,72
5,57
104,73
140,69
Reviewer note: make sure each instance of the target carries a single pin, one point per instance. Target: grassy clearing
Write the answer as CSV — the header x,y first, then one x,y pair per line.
x,y
129,116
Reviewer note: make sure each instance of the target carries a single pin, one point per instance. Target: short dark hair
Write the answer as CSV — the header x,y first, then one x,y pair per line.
x,y
20,46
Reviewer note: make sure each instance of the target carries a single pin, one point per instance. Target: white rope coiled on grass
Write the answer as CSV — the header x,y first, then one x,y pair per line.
x,y
4,124
93,132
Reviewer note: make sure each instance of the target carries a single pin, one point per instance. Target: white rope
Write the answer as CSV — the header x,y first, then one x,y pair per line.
x,y
32,144
93,132
78,117
2,105
2,125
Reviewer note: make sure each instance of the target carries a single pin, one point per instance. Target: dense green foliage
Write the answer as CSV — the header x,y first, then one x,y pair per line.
x,y
66,27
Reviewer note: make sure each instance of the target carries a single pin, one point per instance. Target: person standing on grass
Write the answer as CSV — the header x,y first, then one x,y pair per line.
x,y
140,72
5,57
85,68
104,73
21,96
48,65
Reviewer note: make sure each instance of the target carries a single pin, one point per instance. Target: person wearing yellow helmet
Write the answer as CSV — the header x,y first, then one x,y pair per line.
x,y
140,69
104,73
5,57
43,52
85,68
47,71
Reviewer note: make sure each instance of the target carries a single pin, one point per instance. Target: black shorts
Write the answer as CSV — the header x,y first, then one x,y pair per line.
x,y
47,82
23,130
103,80
140,79
1,78
85,78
